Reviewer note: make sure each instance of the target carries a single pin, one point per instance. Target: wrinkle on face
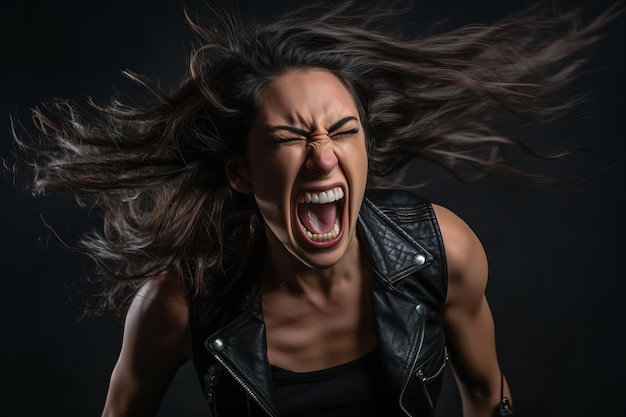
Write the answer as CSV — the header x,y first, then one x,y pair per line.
x,y
306,137
322,144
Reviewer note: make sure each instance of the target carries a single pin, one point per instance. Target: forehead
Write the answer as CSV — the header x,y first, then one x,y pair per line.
x,y
306,97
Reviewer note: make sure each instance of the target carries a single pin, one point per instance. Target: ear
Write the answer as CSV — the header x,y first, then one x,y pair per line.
x,y
237,174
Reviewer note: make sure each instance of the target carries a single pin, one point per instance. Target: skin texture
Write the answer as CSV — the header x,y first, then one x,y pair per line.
x,y
316,303
156,343
467,319
281,164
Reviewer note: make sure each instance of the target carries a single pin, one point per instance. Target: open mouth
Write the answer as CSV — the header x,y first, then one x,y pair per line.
x,y
320,216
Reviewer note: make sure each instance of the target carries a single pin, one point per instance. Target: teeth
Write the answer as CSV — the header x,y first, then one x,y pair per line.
x,y
323,237
323,197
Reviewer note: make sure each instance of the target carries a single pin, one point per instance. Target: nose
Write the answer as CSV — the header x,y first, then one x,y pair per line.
x,y
321,154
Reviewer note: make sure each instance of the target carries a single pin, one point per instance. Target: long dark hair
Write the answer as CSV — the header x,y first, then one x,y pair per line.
x,y
156,171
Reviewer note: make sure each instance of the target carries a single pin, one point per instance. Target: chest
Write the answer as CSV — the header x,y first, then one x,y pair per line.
x,y
307,333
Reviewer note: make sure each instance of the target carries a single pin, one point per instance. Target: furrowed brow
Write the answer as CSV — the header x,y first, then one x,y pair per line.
x,y
340,123
291,129
302,132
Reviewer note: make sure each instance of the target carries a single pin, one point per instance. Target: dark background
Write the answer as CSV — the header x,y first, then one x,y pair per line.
x,y
556,251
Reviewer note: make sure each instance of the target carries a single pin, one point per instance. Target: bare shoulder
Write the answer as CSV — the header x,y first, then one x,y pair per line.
x,y
159,313
156,342
465,255
166,289
467,318
164,293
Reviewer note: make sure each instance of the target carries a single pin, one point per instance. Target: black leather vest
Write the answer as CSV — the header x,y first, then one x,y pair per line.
x,y
406,252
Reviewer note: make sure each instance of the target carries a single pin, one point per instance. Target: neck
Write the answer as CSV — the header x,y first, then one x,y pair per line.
x,y
284,272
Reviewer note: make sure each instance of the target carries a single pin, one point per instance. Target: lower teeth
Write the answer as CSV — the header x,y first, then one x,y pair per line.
x,y
323,237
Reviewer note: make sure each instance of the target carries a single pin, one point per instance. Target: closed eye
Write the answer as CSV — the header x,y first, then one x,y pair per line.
x,y
277,139
301,134
352,131
341,124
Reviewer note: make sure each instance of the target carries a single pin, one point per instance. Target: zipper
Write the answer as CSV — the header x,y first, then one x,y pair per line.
x,y
243,385
426,380
417,354
211,391
420,375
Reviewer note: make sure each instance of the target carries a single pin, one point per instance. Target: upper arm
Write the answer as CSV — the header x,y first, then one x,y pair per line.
x,y
156,342
467,317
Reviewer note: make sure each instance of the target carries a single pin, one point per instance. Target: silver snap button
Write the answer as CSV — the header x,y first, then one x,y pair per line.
x,y
419,259
420,309
218,345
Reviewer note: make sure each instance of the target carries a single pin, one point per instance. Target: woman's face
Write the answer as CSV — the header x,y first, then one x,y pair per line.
x,y
306,164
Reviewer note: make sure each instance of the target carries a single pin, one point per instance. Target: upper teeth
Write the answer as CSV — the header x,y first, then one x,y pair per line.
x,y
322,197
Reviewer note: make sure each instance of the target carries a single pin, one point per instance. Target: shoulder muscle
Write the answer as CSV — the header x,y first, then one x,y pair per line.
x,y
466,259
155,344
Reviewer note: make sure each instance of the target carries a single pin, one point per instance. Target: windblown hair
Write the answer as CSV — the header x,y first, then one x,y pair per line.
x,y
156,170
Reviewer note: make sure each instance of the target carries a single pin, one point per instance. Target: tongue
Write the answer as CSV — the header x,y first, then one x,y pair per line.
x,y
318,218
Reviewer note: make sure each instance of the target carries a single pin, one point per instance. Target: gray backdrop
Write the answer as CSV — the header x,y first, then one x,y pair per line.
x,y
556,251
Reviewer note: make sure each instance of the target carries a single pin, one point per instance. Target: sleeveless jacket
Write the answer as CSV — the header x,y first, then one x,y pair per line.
x,y
406,253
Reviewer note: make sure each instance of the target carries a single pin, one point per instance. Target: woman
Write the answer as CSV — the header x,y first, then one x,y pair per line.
x,y
239,233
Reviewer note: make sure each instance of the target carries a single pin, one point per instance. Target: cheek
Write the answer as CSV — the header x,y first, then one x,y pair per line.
x,y
272,175
357,174
355,157
364,161
364,157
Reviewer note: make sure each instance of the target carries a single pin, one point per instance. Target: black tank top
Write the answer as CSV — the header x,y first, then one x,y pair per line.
x,y
352,389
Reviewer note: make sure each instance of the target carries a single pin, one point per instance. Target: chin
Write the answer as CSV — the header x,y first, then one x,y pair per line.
x,y
322,256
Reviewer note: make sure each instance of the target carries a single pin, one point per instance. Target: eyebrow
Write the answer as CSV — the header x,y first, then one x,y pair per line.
x,y
340,123
303,132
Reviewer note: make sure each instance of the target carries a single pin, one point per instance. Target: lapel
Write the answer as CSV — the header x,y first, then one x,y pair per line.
x,y
400,318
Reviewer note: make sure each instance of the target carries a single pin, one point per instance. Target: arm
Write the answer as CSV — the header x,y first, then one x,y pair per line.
x,y
467,319
156,342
